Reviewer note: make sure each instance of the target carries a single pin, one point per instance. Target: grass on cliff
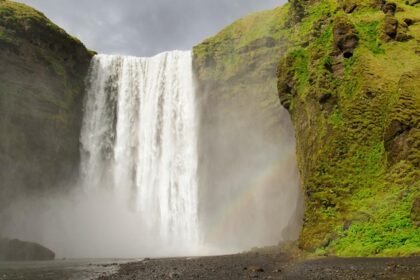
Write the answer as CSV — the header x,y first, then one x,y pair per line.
x,y
232,49
30,34
357,204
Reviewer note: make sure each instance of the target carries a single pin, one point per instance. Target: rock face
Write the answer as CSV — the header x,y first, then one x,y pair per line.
x,y
356,120
345,37
42,72
241,115
349,75
16,250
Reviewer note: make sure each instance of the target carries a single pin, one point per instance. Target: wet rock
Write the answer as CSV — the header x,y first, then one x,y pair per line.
x,y
399,147
16,250
394,128
324,97
286,82
297,11
391,26
378,4
349,6
402,32
318,28
389,8
345,37
409,21
402,35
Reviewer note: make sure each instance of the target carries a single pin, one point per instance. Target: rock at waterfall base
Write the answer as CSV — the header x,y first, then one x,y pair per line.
x,y
16,250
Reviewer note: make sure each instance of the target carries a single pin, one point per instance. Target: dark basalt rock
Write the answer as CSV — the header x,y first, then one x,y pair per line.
x,y
399,147
345,37
16,250
324,97
409,21
396,138
391,26
402,35
349,6
394,129
378,4
297,9
389,8
286,82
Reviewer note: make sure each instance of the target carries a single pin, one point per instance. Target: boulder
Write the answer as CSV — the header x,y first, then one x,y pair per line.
x,y
16,250
391,26
389,8
345,37
349,6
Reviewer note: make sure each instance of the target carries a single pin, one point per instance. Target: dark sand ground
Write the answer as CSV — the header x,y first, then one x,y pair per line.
x,y
269,266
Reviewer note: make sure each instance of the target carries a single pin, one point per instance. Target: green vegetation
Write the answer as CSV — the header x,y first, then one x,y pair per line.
x,y
355,113
360,192
41,92
355,105
233,50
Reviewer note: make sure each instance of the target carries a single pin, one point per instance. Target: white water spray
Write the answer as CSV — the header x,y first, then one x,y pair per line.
x,y
139,139
143,192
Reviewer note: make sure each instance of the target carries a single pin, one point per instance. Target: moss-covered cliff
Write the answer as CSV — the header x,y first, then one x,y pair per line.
x,y
349,75
351,83
42,71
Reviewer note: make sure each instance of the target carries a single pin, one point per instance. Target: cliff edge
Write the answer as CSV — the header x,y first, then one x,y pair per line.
x,y
42,71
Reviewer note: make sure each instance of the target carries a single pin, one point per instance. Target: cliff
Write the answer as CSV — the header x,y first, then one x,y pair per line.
x,y
351,84
246,137
348,73
42,71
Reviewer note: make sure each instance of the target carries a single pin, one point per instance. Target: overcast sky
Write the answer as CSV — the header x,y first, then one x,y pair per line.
x,y
145,27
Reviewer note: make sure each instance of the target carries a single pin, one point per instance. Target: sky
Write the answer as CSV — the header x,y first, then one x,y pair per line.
x,y
145,27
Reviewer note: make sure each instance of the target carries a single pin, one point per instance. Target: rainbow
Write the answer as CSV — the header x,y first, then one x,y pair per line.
x,y
245,198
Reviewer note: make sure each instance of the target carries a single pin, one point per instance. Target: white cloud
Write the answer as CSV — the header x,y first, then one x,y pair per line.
x,y
145,27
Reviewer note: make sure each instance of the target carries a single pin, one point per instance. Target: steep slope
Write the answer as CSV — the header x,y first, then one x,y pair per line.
x,y
42,72
349,76
351,83
246,137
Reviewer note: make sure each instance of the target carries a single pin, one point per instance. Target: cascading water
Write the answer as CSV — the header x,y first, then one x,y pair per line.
x,y
143,133
139,140
165,173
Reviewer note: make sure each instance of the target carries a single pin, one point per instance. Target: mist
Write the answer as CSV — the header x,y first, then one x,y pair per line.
x,y
248,184
79,224
250,193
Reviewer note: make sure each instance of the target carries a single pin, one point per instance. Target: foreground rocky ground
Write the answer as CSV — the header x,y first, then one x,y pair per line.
x,y
269,266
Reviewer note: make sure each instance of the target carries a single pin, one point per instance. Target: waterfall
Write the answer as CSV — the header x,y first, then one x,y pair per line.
x,y
139,140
